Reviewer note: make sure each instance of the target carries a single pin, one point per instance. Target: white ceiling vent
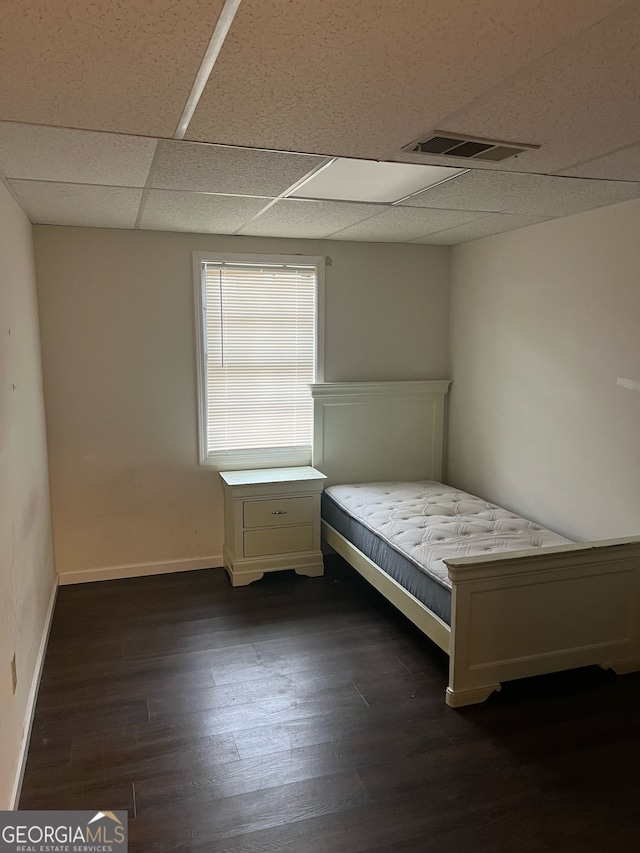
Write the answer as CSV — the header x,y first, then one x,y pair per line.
x,y
468,147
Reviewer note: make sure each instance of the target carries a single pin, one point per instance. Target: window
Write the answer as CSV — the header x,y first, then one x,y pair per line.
x,y
259,347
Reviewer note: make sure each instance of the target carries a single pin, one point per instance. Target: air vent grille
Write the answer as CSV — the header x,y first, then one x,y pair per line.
x,y
470,148
436,145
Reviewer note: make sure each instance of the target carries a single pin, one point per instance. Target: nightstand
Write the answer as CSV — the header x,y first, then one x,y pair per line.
x,y
272,522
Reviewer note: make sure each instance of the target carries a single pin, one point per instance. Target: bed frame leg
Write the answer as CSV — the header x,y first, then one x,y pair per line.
x,y
623,667
460,698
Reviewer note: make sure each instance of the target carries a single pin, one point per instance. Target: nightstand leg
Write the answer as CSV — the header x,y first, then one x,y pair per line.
x,y
311,571
243,578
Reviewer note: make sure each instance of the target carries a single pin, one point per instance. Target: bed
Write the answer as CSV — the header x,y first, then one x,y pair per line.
x,y
499,613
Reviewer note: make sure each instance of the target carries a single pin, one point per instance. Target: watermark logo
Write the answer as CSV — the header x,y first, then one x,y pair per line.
x,y
63,832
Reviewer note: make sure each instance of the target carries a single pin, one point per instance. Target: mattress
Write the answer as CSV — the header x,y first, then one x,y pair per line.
x,y
410,529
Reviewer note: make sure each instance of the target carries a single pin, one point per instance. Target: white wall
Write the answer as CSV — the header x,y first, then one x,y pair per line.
x,y
118,354
27,572
544,321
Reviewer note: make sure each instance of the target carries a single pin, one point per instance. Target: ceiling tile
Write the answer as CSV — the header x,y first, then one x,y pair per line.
x,y
476,190
402,224
494,223
198,212
365,77
310,219
538,195
78,204
75,156
103,65
240,171
543,195
621,166
578,102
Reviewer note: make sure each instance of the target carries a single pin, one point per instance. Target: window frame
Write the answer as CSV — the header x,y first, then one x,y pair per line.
x,y
255,458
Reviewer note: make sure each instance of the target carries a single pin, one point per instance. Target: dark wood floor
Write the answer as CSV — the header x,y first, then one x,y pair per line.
x,y
304,715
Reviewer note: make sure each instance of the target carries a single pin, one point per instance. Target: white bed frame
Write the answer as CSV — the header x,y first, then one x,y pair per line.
x,y
512,614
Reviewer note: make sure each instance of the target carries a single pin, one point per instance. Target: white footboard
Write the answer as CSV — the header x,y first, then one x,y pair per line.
x,y
533,612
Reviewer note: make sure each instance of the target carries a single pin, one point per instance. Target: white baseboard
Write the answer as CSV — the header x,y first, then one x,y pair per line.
x,y
33,695
136,570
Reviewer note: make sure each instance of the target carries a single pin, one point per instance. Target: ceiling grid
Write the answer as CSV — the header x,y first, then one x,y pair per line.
x,y
278,126
157,154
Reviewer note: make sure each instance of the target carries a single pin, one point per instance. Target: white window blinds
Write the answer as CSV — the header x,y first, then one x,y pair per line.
x,y
259,356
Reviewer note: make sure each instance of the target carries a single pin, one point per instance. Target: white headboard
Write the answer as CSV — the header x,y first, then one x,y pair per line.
x,y
374,431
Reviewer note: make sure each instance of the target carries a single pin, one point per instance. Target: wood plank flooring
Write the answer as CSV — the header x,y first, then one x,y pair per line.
x,y
307,716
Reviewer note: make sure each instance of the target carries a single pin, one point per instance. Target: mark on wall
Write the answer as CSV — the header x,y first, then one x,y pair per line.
x,y
630,384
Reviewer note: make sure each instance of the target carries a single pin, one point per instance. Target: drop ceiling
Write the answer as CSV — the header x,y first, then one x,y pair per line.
x,y
92,114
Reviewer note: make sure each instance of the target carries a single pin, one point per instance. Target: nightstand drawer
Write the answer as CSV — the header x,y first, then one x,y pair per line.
x,y
278,512
281,540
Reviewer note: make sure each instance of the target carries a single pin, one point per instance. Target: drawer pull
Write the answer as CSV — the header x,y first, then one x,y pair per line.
x,y
279,512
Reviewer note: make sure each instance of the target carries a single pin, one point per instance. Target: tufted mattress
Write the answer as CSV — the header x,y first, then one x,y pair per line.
x,y
410,529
